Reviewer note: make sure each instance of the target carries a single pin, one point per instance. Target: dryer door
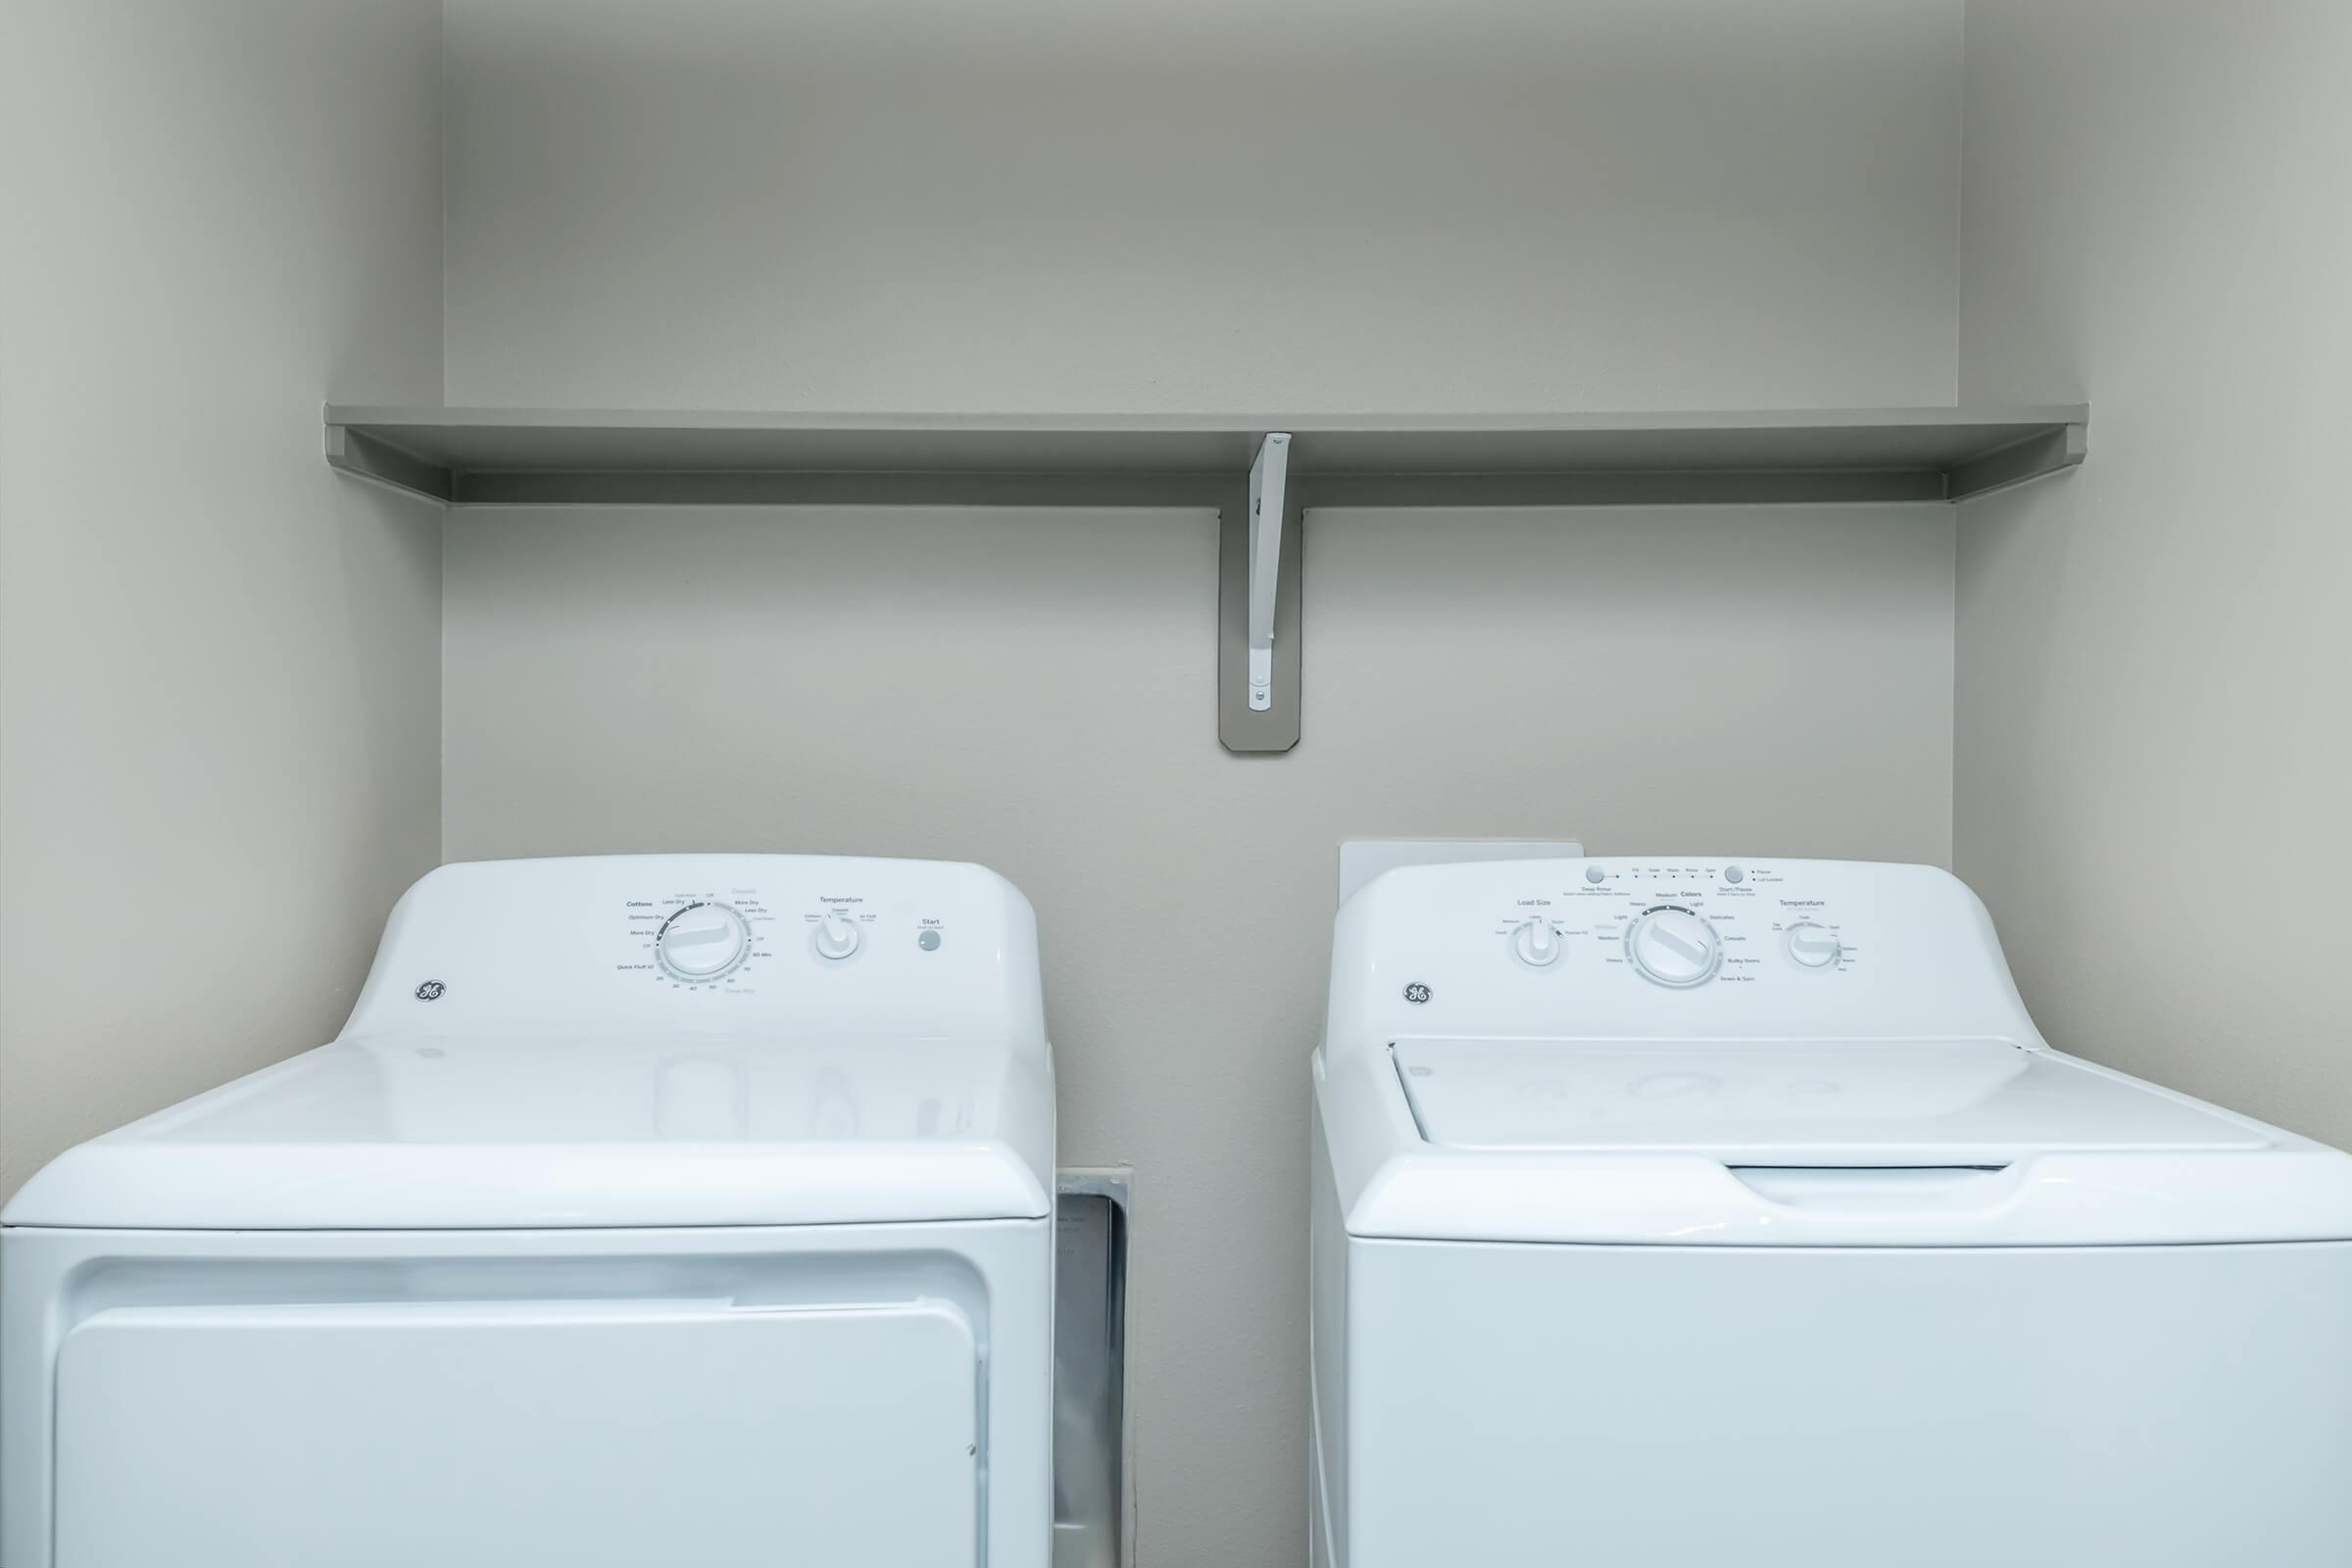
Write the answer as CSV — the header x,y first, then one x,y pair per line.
x,y
595,1434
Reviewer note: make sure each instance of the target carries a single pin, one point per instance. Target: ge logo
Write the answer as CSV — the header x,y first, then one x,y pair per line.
x,y
1416,992
430,991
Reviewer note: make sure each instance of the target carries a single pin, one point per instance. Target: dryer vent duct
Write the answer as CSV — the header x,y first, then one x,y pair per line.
x,y
1091,1525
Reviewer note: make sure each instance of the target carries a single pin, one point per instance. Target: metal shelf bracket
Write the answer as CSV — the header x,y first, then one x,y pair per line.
x,y
1267,478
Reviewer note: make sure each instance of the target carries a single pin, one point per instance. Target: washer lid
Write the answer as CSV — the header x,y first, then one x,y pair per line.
x,y
400,1132
1910,1103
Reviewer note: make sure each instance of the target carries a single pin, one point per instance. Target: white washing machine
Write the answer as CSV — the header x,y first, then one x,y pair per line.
x,y
648,1209
1691,1210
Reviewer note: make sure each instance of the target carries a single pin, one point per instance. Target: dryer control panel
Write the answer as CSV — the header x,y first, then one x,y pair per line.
x,y
776,943
1672,947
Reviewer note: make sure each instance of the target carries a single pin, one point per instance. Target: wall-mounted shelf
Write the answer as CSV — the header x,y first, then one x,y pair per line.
x,y
1775,456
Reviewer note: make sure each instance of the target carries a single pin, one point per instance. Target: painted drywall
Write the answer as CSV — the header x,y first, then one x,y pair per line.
x,y
1325,204
2153,736
1502,205
219,663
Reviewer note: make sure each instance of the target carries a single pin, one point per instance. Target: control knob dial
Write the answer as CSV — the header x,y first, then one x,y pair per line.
x,y
702,942
1536,943
1674,947
836,936
1814,945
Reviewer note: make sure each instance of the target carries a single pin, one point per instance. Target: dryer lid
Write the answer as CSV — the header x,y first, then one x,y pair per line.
x,y
442,1131
1911,1102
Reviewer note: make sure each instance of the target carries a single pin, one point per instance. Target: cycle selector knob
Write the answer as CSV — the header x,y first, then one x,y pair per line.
x,y
1674,948
1535,944
836,937
1814,946
702,942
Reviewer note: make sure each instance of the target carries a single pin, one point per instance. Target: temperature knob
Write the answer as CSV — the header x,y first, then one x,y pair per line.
x,y
702,942
1814,946
836,936
1536,943
1674,948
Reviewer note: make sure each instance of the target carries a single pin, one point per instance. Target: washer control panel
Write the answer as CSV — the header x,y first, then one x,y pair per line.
x,y
1635,946
1675,925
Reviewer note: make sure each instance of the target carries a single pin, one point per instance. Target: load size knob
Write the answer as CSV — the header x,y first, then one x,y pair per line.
x,y
702,942
1674,947
1535,944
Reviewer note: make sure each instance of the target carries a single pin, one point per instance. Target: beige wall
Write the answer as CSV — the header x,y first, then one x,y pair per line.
x,y
1354,205
1504,205
218,664
2153,732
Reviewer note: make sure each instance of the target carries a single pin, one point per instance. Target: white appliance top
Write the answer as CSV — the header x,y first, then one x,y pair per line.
x,y
1732,1050
631,1040
1834,1102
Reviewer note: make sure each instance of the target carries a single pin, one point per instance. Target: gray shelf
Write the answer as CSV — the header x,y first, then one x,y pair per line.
x,y
533,456
1779,456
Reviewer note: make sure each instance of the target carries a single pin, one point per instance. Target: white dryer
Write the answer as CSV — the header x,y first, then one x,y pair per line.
x,y
648,1209
1691,1210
